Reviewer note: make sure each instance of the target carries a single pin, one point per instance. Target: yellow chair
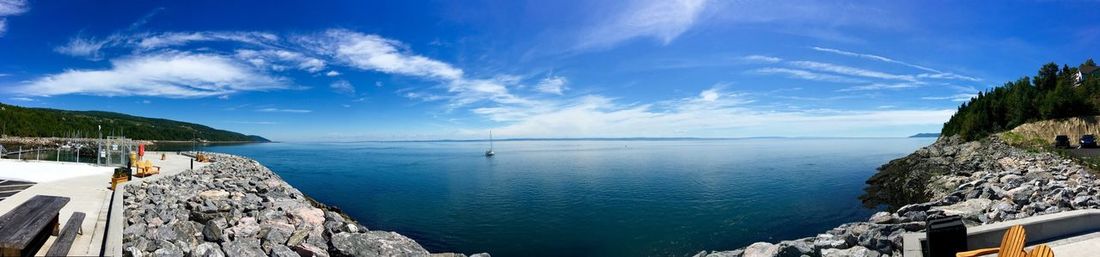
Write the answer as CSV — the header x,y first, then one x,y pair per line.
x,y
1012,245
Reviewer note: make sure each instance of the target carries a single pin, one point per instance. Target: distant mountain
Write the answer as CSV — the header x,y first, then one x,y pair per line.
x,y
44,122
926,135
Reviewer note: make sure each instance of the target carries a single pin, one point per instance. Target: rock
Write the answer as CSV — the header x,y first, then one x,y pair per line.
x,y
761,249
208,250
882,218
1020,195
282,251
376,243
168,250
795,248
213,195
212,232
243,248
855,251
1080,201
972,207
734,253
480,255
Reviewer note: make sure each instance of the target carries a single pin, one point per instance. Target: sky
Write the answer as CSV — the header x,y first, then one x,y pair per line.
x,y
411,70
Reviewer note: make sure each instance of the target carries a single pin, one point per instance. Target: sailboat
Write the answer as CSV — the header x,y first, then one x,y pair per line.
x,y
490,153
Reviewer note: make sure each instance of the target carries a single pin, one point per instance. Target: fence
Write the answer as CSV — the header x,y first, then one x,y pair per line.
x,y
111,151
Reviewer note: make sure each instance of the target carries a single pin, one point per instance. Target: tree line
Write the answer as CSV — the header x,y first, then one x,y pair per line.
x,y
43,122
1051,94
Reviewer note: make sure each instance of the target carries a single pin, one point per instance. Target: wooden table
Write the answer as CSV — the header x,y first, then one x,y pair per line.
x,y
24,229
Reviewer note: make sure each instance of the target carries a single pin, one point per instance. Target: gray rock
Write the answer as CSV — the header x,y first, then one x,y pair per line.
x,y
168,249
855,251
734,253
208,250
761,249
212,232
795,248
376,243
243,248
282,251
882,218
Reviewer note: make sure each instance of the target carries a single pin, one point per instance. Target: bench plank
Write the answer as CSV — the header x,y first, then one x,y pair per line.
x,y
23,224
64,240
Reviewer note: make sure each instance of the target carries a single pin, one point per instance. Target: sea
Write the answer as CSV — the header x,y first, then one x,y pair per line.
x,y
589,197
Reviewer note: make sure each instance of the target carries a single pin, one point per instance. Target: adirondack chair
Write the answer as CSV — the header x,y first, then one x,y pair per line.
x,y
1012,245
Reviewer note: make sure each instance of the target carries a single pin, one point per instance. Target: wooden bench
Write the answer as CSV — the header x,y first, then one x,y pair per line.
x,y
64,240
24,229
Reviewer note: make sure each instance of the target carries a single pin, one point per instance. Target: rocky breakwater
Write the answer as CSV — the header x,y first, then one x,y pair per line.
x,y
237,207
984,182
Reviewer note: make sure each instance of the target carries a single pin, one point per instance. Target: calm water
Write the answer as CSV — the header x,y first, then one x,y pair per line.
x,y
589,198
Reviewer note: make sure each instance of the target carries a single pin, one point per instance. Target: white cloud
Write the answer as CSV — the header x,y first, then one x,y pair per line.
x,y
762,58
879,86
851,71
934,72
954,98
169,39
24,99
168,74
343,87
332,73
10,8
663,20
713,113
552,85
283,110
372,52
275,59
84,47
807,75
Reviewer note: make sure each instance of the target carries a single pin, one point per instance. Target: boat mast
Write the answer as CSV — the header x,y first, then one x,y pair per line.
x,y
490,140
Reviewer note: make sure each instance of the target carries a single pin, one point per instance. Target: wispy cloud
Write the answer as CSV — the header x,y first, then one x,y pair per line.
x,y
168,74
662,20
762,58
373,52
278,60
271,109
332,73
343,87
879,86
9,8
954,98
23,99
935,73
851,71
713,112
551,85
807,75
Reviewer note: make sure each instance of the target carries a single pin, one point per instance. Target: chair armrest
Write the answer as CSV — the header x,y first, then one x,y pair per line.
x,y
978,252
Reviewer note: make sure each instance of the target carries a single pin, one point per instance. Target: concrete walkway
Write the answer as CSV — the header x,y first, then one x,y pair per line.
x,y
89,193
85,185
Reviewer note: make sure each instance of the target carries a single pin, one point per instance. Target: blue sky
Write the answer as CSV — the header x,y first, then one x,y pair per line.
x,y
362,70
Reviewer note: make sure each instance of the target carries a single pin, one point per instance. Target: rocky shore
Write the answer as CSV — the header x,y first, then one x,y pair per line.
x,y
238,207
983,181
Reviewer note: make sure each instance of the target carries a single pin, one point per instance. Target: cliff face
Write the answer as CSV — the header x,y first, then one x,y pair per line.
x,y
1073,127
982,182
237,207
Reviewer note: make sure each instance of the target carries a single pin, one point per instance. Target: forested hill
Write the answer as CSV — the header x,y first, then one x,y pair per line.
x,y
1055,92
42,122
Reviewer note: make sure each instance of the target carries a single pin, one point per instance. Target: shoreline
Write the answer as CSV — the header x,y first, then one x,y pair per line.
x,y
235,206
984,182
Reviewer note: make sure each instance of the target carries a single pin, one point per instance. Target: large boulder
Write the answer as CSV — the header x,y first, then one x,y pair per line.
x,y
376,243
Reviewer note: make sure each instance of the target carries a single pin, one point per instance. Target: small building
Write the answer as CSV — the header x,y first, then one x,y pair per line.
x,y
1084,72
